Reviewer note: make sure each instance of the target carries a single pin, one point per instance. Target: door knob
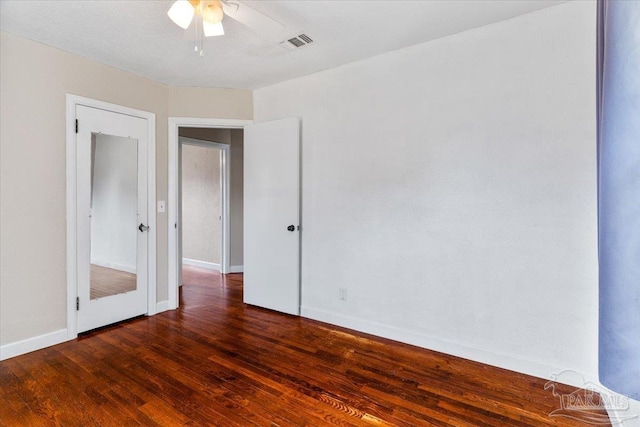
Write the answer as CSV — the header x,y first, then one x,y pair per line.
x,y
291,228
143,227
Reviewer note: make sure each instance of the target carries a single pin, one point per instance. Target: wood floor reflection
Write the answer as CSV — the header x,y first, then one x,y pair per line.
x,y
107,281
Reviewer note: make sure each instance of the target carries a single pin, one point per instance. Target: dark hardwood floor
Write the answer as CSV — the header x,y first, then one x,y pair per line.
x,y
216,361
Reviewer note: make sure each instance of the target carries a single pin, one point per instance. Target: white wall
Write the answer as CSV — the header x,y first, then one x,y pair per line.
x,y
201,210
450,187
236,202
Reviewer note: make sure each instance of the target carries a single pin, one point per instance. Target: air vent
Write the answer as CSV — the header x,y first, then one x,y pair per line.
x,y
305,38
296,42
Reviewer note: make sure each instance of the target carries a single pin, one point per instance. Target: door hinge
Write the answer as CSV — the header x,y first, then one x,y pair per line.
x,y
76,125
77,303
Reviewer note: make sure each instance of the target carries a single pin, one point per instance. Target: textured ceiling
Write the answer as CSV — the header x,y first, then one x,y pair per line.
x,y
137,36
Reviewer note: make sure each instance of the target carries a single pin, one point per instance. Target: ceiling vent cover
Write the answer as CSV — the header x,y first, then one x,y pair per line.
x,y
296,42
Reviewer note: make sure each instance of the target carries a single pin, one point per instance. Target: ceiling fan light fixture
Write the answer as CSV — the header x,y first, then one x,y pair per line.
x,y
211,11
181,12
212,29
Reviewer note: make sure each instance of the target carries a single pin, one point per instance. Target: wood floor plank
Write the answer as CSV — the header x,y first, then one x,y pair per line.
x,y
226,381
219,362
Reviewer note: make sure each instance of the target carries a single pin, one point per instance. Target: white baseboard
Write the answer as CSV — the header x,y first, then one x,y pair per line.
x,y
32,344
625,418
39,342
201,264
620,416
236,269
162,306
119,267
464,351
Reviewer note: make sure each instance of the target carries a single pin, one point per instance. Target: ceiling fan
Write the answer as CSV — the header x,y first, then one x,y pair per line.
x,y
209,14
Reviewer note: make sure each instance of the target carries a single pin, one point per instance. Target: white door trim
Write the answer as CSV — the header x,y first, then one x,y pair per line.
x,y
225,176
172,203
72,289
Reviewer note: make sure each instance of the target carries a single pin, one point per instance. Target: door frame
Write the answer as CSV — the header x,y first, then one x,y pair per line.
x,y
72,284
175,123
224,177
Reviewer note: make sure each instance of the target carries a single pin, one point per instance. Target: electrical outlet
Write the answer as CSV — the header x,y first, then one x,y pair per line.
x,y
342,294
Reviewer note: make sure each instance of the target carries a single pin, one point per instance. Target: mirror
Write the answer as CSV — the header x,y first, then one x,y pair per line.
x,y
114,215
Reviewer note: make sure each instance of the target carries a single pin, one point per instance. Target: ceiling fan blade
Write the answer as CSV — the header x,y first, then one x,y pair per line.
x,y
263,25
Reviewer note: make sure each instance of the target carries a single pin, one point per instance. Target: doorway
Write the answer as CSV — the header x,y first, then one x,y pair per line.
x,y
203,214
194,139
110,214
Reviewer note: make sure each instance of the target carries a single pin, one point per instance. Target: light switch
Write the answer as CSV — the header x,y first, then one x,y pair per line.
x,y
161,207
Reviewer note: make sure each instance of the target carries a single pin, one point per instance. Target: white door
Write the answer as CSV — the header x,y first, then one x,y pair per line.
x,y
111,217
272,215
